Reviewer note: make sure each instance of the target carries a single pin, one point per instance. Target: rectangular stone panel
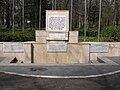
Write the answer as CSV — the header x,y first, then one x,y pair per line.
x,y
57,21
99,48
57,36
13,47
57,48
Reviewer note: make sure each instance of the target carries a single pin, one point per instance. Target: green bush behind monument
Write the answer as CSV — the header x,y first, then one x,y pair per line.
x,y
108,34
17,36
111,33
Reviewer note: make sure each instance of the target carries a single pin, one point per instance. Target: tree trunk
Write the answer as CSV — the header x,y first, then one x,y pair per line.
x,y
8,16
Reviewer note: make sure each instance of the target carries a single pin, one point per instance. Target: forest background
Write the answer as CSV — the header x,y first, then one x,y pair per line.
x,y
20,18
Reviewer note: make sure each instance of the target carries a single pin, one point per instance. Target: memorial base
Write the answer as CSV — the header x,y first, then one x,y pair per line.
x,y
60,51
75,54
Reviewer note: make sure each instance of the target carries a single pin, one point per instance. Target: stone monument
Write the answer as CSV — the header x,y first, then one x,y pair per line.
x,y
57,44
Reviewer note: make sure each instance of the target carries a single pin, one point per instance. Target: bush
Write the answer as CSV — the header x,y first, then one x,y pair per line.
x,y
18,36
111,33
91,32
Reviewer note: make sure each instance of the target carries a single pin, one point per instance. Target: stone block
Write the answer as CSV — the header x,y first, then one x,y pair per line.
x,y
41,39
78,53
40,53
27,47
114,49
1,49
74,53
41,33
73,39
85,54
73,33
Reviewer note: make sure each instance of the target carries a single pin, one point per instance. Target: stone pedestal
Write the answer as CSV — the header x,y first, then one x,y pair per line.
x,y
73,37
41,36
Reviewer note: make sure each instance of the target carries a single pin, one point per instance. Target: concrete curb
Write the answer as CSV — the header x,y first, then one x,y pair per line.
x,y
62,77
53,64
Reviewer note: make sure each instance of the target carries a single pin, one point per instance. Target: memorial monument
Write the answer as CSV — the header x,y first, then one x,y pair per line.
x,y
57,44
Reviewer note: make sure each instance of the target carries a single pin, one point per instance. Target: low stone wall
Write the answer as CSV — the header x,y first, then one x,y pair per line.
x,y
9,52
37,53
75,54
83,52
103,49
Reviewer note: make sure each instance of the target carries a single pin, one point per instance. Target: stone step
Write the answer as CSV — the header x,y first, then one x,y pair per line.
x,y
8,60
106,60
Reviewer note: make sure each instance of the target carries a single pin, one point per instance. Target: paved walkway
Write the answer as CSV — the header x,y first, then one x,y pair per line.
x,y
60,77
61,71
14,80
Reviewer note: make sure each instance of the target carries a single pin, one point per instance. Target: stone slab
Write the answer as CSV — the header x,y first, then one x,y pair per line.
x,y
99,48
11,47
57,48
107,60
6,60
115,59
57,36
57,21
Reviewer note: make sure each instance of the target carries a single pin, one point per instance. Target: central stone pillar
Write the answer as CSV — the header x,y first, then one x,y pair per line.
x,y
57,28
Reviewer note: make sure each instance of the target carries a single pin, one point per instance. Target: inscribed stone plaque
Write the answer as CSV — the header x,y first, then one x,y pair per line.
x,y
57,21
57,36
13,47
57,47
99,48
